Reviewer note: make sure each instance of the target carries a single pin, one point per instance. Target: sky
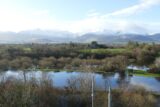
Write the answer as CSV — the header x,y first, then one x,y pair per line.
x,y
81,16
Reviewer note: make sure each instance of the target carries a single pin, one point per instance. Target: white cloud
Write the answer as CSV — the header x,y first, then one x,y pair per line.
x,y
14,20
141,6
117,20
41,13
93,13
97,24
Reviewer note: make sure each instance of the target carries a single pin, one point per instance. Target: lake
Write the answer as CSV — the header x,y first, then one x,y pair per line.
x,y
59,79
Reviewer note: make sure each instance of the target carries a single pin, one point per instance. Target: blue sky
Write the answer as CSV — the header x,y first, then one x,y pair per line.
x,y
81,16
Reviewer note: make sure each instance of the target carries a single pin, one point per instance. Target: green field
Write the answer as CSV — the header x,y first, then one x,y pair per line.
x,y
27,49
148,74
143,73
106,51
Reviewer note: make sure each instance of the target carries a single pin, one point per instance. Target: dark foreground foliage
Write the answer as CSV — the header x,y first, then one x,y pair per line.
x,y
33,93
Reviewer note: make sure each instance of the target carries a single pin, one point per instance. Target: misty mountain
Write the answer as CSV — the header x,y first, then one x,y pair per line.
x,y
36,36
53,36
119,38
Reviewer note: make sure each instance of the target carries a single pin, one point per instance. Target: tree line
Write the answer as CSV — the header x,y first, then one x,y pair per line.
x,y
70,56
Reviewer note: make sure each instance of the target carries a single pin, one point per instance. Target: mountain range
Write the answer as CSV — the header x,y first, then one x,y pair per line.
x,y
53,36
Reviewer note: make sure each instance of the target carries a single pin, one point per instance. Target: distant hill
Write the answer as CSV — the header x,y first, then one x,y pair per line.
x,y
36,36
119,38
51,36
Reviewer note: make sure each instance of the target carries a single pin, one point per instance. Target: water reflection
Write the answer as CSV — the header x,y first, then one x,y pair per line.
x,y
157,78
60,79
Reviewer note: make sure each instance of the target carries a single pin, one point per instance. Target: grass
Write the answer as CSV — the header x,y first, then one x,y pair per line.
x,y
67,70
27,49
106,51
148,75
143,73
136,72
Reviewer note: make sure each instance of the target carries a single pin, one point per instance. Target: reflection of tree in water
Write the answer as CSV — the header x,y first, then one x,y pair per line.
x,y
123,79
107,82
105,75
157,78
